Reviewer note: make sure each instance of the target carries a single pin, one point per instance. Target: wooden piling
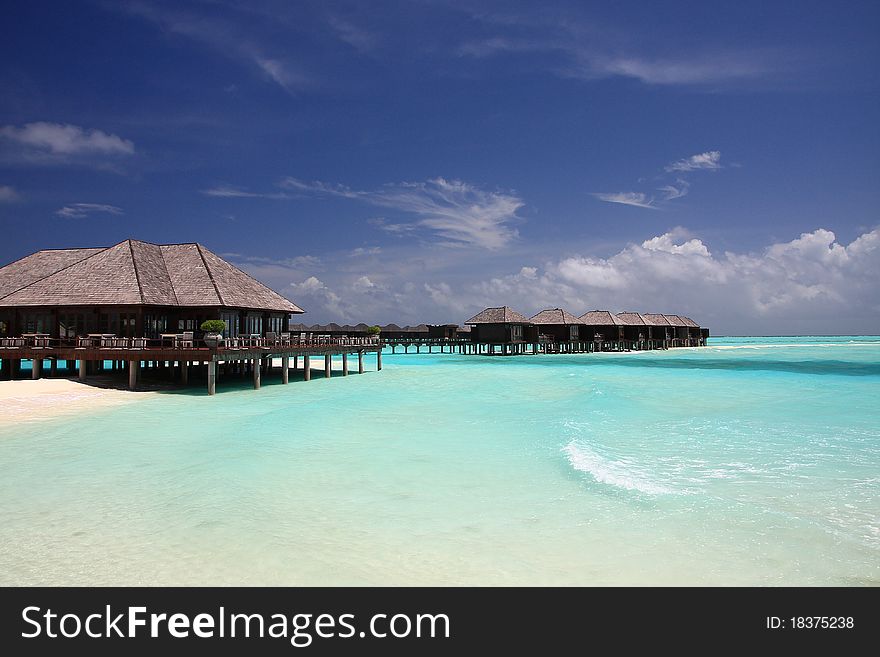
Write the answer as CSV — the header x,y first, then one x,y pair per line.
x,y
344,364
327,365
133,368
257,366
285,365
307,368
212,377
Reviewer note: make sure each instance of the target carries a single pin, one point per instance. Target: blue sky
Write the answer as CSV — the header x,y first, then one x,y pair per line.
x,y
417,161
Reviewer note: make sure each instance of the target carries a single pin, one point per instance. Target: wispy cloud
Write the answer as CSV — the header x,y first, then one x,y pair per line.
x,y
58,143
287,76
677,190
226,37
235,192
80,210
8,194
358,38
637,199
456,211
708,160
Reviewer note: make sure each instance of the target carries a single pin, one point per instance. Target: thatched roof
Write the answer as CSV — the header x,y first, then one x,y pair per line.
x,y
555,316
675,320
391,327
502,315
689,322
656,319
631,319
135,273
599,318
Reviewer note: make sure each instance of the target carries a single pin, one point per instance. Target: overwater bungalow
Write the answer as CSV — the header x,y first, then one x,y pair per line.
x,y
558,330
681,331
140,303
603,329
662,332
503,328
636,330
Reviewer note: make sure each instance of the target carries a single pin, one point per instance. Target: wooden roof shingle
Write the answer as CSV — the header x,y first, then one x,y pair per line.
x,y
599,318
631,319
656,319
501,315
134,273
555,316
675,320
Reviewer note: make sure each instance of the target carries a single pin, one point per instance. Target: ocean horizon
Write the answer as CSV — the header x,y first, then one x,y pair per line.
x,y
751,461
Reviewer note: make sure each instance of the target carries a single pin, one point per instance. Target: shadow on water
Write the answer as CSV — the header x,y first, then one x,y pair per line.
x,y
820,367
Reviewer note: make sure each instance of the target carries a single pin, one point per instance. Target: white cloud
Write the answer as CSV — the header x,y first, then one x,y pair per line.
x,y
698,69
455,211
57,139
8,194
80,210
637,199
357,37
234,192
810,284
679,189
708,160
287,76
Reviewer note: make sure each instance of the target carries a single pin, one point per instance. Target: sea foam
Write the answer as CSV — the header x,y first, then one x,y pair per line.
x,y
610,472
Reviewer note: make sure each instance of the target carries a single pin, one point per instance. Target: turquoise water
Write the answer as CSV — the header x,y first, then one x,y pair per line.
x,y
751,461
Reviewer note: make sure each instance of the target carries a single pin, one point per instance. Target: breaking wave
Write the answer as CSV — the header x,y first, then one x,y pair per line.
x,y
610,472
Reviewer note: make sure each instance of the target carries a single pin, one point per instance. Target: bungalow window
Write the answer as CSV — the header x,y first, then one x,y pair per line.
x,y
186,324
254,324
154,325
573,333
516,332
37,323
232,327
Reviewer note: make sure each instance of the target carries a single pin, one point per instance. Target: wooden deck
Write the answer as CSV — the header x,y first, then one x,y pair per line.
x,y
184,360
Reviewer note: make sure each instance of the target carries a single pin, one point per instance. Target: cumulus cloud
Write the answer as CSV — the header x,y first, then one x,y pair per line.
x,y
637,199
8,194
810,284
708,160
457,212
80,210
60,140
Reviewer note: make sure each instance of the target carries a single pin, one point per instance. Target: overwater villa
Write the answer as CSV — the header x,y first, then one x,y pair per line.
x,y
137,304
559,329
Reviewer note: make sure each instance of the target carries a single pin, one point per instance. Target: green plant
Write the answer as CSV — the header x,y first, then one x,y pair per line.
x,y
213,326
374,330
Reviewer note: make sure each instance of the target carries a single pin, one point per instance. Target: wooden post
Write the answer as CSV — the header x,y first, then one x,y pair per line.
x,y
360,362
82,369
36,368
53,367
307,368
327,365
285,364
295,362
344,364
184,372
212,377
379,360
133,368
257,368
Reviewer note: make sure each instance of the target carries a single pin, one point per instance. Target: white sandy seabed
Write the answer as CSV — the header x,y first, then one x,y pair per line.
x,y
44,399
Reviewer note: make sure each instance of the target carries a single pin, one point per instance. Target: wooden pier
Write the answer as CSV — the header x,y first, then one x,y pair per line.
x,y
179,363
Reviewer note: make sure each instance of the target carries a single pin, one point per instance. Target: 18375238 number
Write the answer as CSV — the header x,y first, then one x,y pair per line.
x,y
811,623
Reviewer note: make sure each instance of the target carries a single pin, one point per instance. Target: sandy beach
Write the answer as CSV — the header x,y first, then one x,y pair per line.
x,y
44,399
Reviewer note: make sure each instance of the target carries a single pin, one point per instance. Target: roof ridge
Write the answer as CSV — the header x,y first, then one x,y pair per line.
x,y
167,273
42,278
239,269
134,266
210,274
